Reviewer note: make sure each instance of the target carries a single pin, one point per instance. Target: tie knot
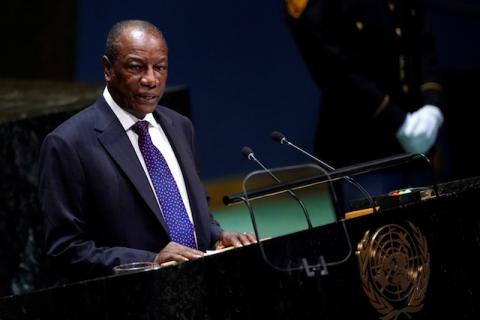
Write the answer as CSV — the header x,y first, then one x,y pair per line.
x,y
141,128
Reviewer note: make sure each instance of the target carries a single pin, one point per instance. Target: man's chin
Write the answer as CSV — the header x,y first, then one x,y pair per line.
x,y
139,110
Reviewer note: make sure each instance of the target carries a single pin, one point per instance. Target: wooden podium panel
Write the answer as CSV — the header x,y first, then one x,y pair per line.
x,y
417,261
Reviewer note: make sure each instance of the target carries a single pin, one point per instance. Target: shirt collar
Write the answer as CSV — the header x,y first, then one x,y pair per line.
x,y
126,119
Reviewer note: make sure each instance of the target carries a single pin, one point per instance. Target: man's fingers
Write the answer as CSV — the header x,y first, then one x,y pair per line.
x,y
236,242
251,237
239,239
192,254
178,253
246,238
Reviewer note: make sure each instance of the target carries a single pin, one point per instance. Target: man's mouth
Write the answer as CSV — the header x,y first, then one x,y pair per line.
x,y
147,98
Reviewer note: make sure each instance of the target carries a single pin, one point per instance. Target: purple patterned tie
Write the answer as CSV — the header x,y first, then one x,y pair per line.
x,y
176,216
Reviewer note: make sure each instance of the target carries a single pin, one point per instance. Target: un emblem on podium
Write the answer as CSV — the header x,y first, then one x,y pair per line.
x,y
394,268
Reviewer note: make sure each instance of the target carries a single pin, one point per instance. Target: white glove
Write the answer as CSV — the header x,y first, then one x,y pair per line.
x,y
420,128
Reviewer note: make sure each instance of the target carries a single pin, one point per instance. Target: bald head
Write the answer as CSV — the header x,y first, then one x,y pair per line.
x,y
118,29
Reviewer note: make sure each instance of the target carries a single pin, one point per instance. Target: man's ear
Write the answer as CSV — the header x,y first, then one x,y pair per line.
x,y
107,68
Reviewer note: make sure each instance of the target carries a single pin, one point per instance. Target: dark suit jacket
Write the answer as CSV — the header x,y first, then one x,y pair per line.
x,y
99,208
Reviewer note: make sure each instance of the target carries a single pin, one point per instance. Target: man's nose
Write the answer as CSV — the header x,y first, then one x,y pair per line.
x,y
148,78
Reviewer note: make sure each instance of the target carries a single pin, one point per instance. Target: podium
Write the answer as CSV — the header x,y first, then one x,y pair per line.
x,y
418,260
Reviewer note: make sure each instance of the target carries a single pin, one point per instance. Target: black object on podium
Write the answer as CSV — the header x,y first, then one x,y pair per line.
x,y
415,261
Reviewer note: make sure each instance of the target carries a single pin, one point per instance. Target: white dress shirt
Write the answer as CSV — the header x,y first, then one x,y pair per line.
x,y
160,141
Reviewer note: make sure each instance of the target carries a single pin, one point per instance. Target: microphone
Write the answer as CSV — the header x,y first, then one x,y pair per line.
x,y
247,152
280,137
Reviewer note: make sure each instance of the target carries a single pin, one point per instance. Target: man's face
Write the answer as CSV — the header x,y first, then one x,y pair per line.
x,y
136,77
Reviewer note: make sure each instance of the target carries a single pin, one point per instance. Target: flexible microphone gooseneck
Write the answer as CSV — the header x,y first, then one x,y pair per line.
x,y
280,137
247,152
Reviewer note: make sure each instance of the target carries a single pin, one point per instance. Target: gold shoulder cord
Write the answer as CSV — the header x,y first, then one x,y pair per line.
x,y
431,86
382,106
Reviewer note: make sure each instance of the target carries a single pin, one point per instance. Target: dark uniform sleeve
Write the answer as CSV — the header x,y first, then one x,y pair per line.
x,y
342,62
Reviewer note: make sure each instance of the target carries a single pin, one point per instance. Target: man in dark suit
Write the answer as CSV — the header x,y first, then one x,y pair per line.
x,y
374,62
101,190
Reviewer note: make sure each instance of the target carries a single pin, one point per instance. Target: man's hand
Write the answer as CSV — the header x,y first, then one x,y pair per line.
x,y
178,253
235,239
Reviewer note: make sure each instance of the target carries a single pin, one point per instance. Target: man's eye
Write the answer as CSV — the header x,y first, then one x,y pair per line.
x,y
135,67
161,68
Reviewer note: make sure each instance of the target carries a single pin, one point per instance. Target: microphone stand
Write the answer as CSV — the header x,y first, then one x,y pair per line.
x,y
279,137
310,269
248,153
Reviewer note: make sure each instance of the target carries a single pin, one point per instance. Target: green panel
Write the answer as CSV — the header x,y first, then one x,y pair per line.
x,y
278,216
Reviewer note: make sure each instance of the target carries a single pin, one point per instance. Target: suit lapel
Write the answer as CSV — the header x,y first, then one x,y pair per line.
x,y
115,140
